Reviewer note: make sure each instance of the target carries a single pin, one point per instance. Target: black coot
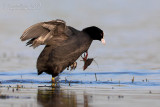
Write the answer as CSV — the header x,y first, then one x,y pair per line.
x,y
64,44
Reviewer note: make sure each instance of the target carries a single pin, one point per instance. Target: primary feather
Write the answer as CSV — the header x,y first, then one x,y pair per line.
x,y
41,33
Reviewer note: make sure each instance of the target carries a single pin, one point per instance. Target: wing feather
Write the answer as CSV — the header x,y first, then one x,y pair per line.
x,y
41,33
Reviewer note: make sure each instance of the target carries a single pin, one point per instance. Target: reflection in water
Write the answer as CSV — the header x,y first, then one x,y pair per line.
x,y
85,100
54,97
73,97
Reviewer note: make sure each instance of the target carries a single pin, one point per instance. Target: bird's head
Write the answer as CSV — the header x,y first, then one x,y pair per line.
x,y
95,33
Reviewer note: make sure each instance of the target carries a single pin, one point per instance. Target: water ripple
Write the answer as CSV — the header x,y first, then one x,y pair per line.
x,y
88,78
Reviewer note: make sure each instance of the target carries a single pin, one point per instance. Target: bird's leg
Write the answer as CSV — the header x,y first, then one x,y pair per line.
x,y
85,59
53,81
85,56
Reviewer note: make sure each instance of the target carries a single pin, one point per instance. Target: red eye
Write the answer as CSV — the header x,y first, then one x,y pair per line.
x,y
102,34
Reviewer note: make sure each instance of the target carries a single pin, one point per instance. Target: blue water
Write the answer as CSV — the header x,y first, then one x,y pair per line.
x,y
85,79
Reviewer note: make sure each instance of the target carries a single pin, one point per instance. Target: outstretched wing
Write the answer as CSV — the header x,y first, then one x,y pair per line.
x,y
42,33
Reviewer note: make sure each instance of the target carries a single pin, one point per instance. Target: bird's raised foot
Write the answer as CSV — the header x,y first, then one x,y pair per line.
x,y
87,63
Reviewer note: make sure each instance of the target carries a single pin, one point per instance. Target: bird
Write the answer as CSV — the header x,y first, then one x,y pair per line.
x,y
63,44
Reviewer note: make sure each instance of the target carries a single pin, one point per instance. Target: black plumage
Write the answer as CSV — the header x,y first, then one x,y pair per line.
x,y
64,44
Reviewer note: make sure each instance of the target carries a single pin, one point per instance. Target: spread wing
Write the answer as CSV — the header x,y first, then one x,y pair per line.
x,y
42,33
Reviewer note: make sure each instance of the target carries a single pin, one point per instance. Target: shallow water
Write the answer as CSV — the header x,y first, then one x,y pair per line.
x,y
132,51
76,96
86,79
82,89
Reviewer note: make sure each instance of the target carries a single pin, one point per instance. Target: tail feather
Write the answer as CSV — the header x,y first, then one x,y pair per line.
x,y
30,42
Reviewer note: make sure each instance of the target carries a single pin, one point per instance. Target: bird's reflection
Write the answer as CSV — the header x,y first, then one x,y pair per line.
x,y
55,97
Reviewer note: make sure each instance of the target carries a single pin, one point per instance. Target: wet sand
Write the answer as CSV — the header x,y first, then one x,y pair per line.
x,y
33,95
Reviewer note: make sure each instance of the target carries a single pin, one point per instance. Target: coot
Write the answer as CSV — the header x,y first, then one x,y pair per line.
x,y
63,44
